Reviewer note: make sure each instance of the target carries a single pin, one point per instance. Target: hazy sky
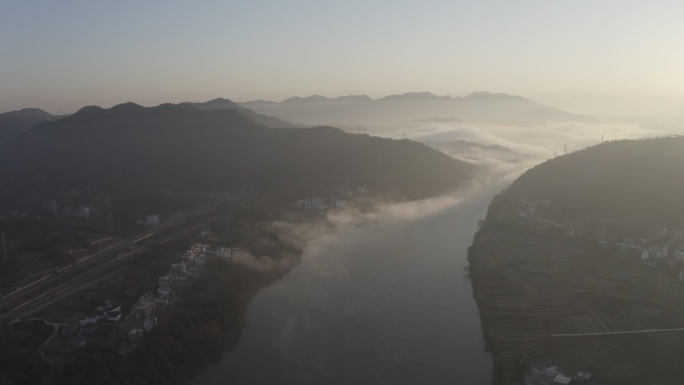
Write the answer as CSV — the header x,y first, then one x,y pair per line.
x,y
61,55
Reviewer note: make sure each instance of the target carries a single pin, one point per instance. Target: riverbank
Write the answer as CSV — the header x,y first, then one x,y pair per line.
x,y
379,299
539,294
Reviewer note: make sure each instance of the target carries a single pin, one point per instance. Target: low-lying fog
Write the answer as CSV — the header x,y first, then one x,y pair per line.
x,y
381,297
490,129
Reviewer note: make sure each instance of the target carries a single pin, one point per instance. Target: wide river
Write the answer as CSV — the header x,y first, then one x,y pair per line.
x,y
380,300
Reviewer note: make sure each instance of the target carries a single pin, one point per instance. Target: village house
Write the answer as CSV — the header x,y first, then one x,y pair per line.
x,y
79,341
136,336
149,323
126,348
90,320
114,316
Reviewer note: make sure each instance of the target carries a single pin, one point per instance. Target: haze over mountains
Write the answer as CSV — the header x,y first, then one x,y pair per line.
x,y
355,110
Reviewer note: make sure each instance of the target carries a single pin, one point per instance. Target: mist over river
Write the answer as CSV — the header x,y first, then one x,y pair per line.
x,y
382,299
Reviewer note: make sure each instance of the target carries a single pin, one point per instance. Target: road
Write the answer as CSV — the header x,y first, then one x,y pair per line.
x,y
56,294
65,281
616,333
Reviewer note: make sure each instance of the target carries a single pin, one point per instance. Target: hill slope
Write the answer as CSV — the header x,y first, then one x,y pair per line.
x,y
579,246
618,178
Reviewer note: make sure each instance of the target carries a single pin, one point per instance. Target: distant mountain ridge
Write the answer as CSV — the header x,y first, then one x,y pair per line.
x,y
319,98
414,96
424,95
361,110
500,96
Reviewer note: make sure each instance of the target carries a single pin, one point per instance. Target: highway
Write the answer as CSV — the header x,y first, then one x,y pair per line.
x,y
67,280
617,333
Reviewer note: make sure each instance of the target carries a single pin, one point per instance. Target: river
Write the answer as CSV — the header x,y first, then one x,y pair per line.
x,y
380,300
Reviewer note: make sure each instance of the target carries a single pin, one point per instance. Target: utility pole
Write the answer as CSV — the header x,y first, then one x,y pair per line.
x,y
230,251
4,248
108,202
565,149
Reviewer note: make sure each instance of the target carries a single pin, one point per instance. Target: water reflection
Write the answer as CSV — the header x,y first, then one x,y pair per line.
x,y
378,301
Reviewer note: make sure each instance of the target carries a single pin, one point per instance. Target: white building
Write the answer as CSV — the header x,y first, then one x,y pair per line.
x,y
178,268
126,348
190,255
90,320
83,211
225,252
149,323
199,248
80,341
152,219
114,316
136,335
679,256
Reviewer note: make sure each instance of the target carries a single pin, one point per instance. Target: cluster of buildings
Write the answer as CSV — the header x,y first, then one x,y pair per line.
x,y
169,287
317,203
97,209
528,207
551,375
110,310
191,264
150,220
225,252
662,245
340,202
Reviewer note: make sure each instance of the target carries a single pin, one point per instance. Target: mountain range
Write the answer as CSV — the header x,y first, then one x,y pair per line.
x,y
355,111
424,95
130,148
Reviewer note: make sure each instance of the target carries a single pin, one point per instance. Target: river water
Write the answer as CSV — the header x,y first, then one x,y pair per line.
x,y
380,300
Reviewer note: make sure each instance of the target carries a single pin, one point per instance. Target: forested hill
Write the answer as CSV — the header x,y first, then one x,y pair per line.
x,y
132,148
619,178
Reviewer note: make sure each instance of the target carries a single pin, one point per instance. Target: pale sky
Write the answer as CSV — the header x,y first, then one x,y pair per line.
x,y
62,55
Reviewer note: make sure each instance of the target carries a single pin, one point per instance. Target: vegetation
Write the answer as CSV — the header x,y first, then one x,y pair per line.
x,y
191,336
130,148
19,359
628,178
